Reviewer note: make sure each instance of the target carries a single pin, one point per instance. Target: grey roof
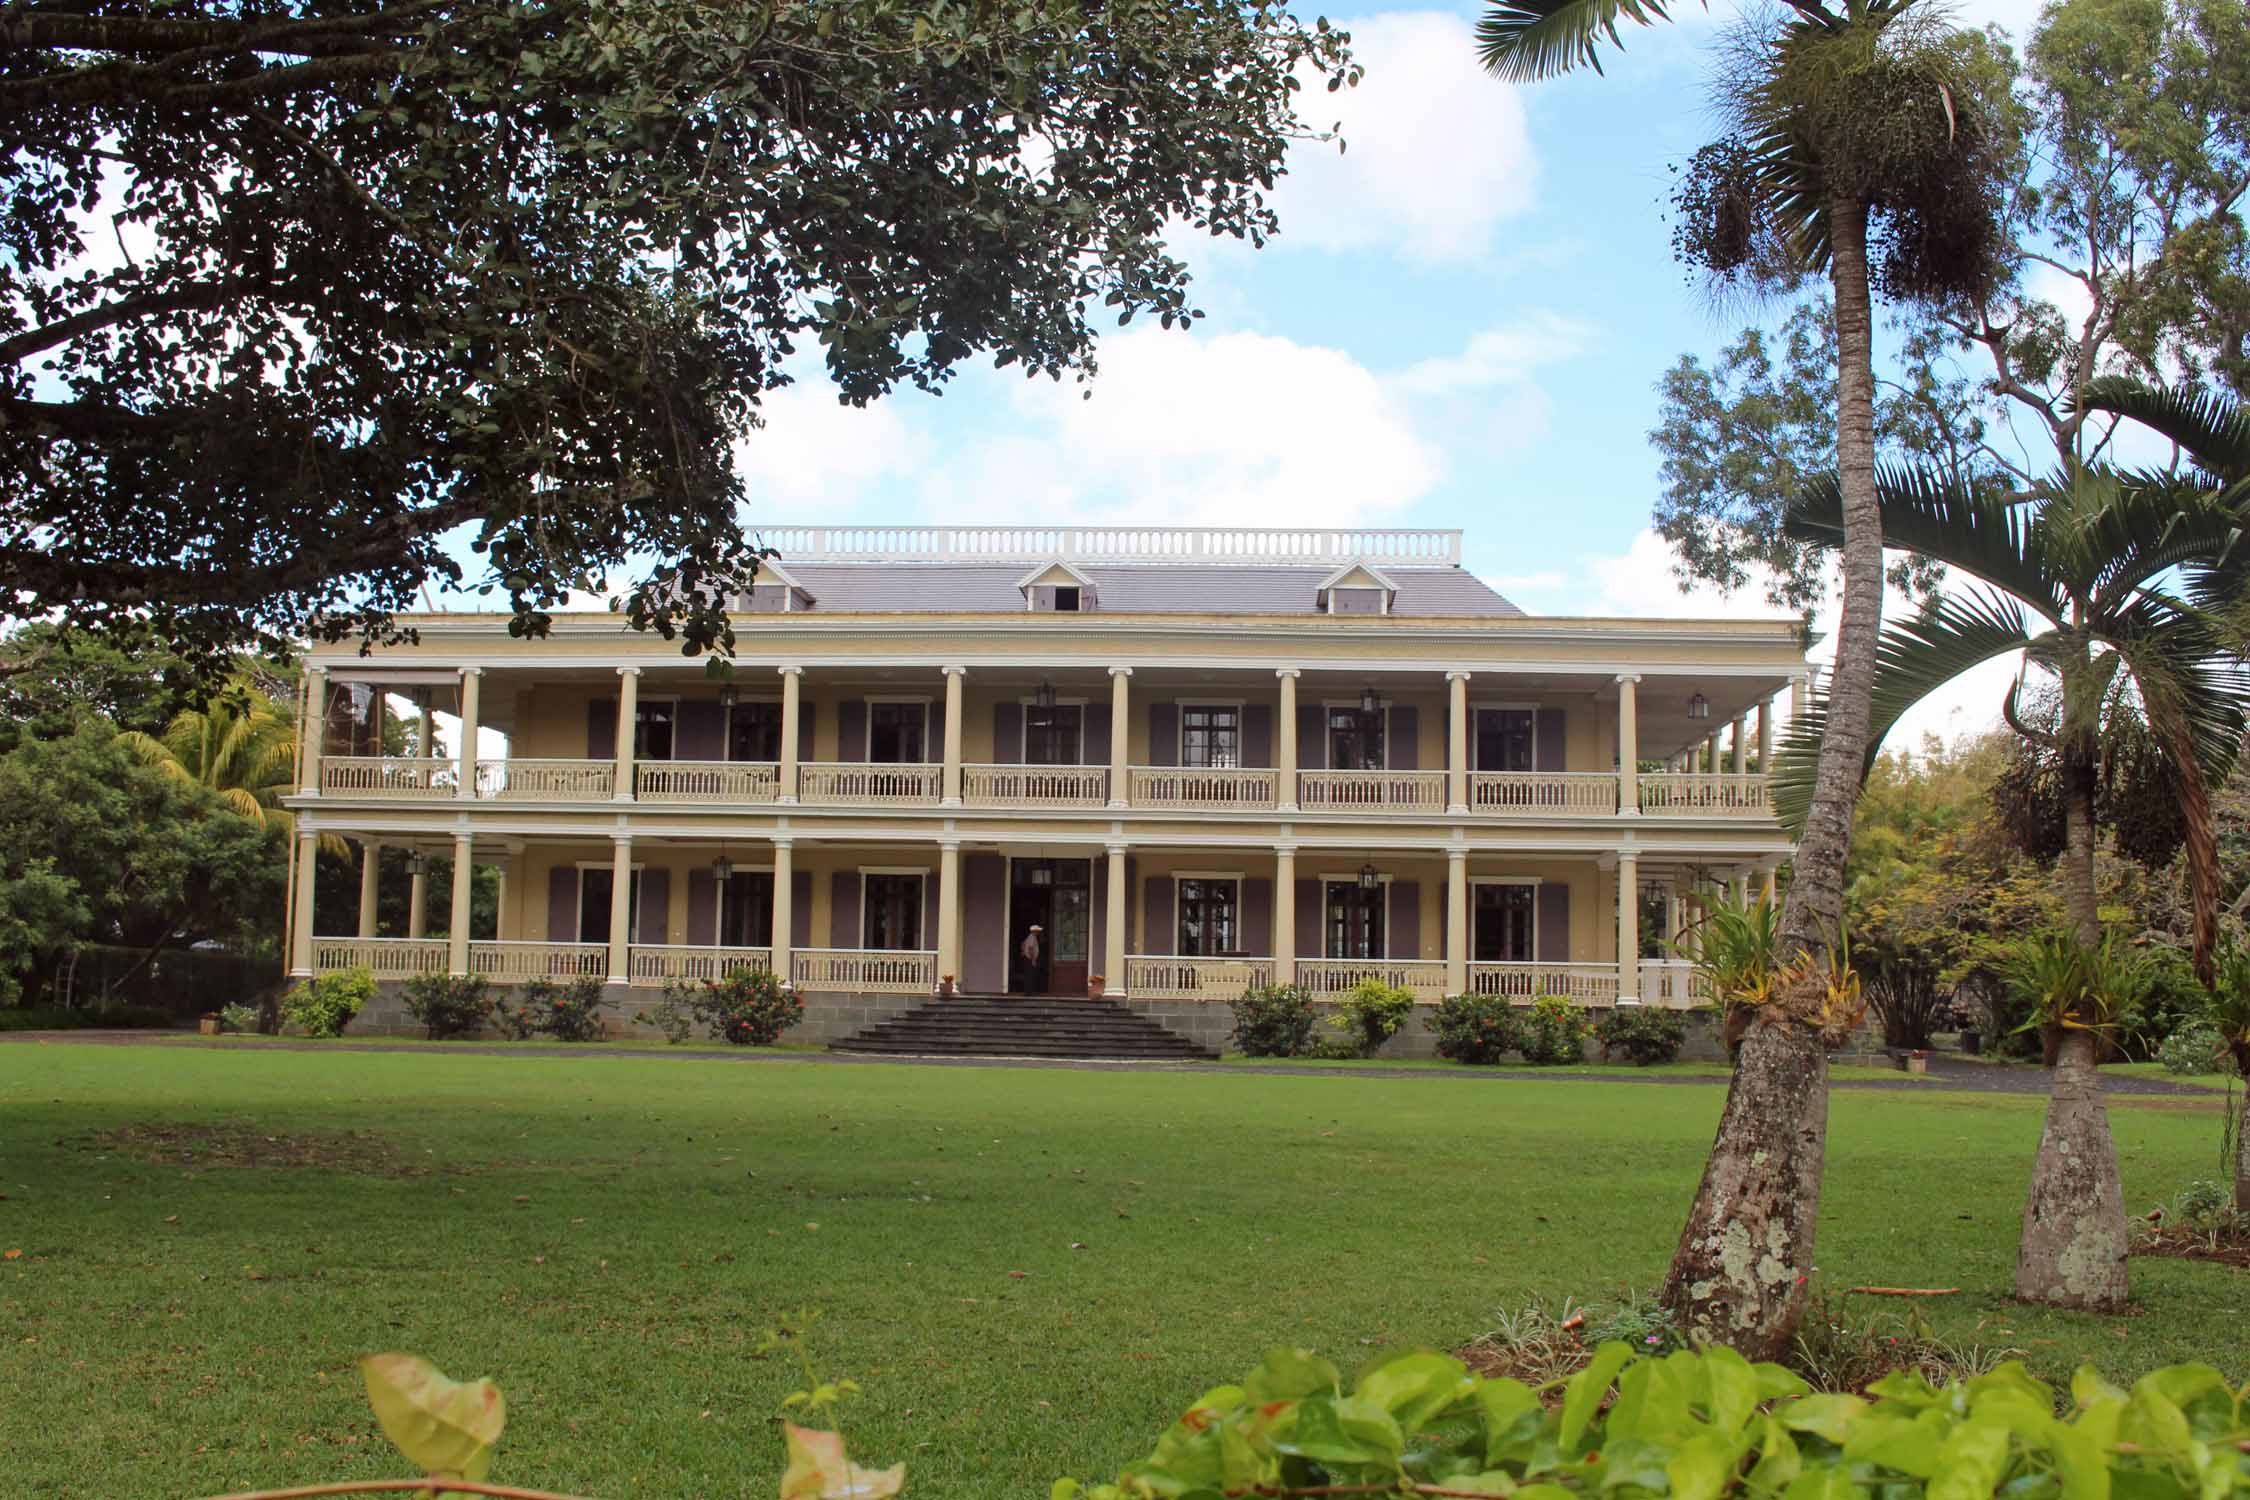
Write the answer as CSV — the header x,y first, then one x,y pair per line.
x,y
1130,588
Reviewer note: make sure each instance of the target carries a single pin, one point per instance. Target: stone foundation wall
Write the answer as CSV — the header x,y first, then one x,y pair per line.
x,y
828,1017
1211,1025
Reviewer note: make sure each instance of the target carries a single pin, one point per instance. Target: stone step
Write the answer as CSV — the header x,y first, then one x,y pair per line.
x,y
993,1026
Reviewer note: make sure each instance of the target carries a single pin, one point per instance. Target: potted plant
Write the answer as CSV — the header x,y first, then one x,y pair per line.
x,y
208,1023
1095,984
945,987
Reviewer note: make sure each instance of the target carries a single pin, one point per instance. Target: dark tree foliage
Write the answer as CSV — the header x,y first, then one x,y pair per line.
x,y
304,303
2136,794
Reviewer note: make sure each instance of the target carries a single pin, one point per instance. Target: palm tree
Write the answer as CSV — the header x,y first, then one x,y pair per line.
x,y
2077,577
1838,118
238,745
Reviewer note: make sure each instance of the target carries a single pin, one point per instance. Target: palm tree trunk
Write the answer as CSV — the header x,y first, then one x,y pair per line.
x,y
1745,1257
2241,1138
2072,1253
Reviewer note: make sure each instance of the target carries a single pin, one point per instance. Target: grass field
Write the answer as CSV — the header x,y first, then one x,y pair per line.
x,y
607,1239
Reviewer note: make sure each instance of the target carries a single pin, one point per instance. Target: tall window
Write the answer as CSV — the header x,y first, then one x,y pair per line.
x,y
1504,739
1051,736
652,729
893,918
1355,739
746,910
1354,925
1502,924
1210,735
594,885
1208,915
754,732
897,733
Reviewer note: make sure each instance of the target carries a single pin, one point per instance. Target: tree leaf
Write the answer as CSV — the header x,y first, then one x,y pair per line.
x,y
442,1426
818,1469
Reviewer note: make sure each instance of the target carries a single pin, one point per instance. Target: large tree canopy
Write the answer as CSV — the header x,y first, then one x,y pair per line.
x,y
297,290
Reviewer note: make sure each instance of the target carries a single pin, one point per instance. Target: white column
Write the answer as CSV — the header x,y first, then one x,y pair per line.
x,y
1796,697
472,679
1113,929
1457,745
457,928
1768,881
1120,746
628,724
620,907
1765,736
1284,924
950,791
1741,888
789,732
1286,781
949,908
1628,744
1456,921
417,895
301,909
1741,762
784,895
316,731
502,929
370,877
1628,928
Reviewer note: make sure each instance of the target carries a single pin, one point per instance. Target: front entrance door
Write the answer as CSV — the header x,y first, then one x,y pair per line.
x,y
1052,896
1503,918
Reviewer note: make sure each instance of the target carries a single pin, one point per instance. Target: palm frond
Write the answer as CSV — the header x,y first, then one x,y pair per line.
x,y
2179,659
154,752
1523,41
1914,659
1973,529
2213,428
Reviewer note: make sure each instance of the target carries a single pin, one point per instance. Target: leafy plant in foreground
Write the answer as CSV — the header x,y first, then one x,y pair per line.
x,y
1643,1035
1553,1032
1475,1029
324,1006
1370,1014
1274,1020
749,1007
448,1005
568,1012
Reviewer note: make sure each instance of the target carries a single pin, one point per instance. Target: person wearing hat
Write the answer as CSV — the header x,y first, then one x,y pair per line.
x,y
1029,948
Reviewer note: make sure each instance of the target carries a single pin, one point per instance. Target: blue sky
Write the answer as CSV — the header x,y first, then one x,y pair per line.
x,y
1462,325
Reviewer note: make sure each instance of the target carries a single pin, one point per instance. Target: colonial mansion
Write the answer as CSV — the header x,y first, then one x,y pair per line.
x,y
1194,760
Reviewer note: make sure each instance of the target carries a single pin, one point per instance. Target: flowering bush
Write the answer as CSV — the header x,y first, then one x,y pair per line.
x,y
1274,1020
326,1005
448,1005
238,1017
1475,1029
1641,1034
569,1012
2194,1048
1553,1032
749,1007
675,1011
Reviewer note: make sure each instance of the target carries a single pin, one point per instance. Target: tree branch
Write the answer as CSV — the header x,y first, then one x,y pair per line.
x,y
123,310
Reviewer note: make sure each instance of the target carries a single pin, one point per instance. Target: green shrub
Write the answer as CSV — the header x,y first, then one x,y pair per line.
x,y
2194,1048
239,1017
675,1011
1643,1035
569,1012
749,1007
75,1018
448,1005
1274,1020
1475,1029
1552,1032
1369,1014
325,1006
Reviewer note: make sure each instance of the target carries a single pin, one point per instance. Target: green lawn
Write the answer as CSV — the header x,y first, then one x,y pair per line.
x,y
607,1238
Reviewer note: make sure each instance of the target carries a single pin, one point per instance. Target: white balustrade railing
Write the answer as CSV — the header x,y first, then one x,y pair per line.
x,y
662,963
1156,977
509,962
1035,786
831,782
1333,976
1355,791
1209,788
522,780
1691,794
1174,544
707,780
1673,983
1588,984
388,776
1536,793
385,958
866,971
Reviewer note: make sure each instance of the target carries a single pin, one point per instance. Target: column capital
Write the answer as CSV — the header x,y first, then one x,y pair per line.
x,y
953,671
783,844
1288,671
1457,675
1457,856
1120,671
620,840
790,671
462,838
949,846
1118,851
1287,851
1627,677
628,671
465,671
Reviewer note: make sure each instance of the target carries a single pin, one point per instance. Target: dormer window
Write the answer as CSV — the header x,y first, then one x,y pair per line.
x,y
1355,601
1357,589
1066,599
773,592
1057,588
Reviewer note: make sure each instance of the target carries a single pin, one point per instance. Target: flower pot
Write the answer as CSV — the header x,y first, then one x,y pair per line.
x,y
1095,984
1917,1062
208,1025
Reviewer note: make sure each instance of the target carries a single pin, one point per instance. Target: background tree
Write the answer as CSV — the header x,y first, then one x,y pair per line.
x,y
304,307
1856,147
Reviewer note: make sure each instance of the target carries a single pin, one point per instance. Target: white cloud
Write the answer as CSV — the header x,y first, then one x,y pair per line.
x,y
816,451
1438,151
2017,17
1506,355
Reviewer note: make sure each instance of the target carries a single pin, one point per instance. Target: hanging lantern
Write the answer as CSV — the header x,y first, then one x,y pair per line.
x,y
1699,707
1045,697
1369,877
416,864
722,867
1369,704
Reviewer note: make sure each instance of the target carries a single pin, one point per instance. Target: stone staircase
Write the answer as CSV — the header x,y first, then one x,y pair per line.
x,y
1020,1026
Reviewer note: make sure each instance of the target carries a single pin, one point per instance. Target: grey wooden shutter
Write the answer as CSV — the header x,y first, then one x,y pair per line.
x,y
851,729
933,744
1043,596
807,713
843,910
1309,944
562,904
1257,735
1093,738
1550,726
1312,737
1554,922
1157,927
1007,734
800,908
1164,734
656,905
1404,924
703,730
929,912
601,729
1257,917
1403,738
984,905
1097,925
702,907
